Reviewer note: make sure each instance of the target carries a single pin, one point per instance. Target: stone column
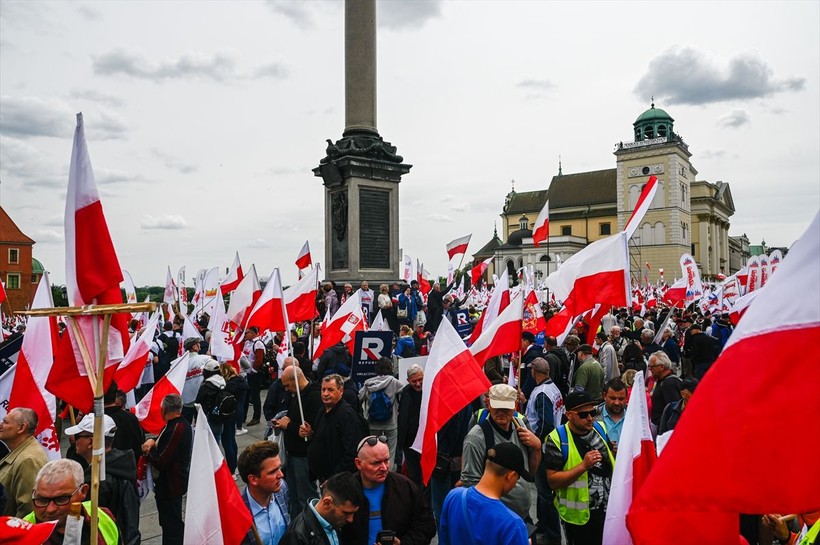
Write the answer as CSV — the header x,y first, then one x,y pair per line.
x,y
360,66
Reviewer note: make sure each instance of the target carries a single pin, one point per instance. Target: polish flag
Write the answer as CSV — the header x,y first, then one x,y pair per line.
x,y
541,229
458,246
234,277
215,513
741,305
93,276
743,276
478,271
595,321
3,295
132,366
533,320
243,298
170,294
33,364
220,344
676,293
342,325
452,379
598,273
148,410
499,300
643,204
672,507
300,298
502,336
269,311
303,260
424,284
636,456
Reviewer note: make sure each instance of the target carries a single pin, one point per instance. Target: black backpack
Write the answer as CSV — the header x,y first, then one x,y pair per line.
x,y
224,406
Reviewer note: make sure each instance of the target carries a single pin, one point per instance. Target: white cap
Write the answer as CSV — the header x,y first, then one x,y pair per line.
x,y
87,425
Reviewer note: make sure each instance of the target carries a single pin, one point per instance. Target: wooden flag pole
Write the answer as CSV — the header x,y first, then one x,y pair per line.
x,y
98,441
520,379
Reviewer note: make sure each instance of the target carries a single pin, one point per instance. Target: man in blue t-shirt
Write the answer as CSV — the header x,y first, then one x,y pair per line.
x,y
476,516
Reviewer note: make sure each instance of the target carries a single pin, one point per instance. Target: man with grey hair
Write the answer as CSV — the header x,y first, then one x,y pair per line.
x,y
409,413
648,344
170,453
26,456
667,385
57,485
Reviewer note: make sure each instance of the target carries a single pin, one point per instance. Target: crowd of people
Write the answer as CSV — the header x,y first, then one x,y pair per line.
x,y
336,465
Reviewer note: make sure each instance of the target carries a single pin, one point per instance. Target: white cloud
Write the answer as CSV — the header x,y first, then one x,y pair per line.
x,y
164,221
258,243
28,116
734,119
47,236
440,218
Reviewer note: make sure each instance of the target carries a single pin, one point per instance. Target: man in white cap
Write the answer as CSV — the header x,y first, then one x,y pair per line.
x,y
118,492
501,427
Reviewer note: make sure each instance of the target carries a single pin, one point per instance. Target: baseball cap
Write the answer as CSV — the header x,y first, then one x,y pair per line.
x,y
578,399
87,425
20,532
211,366
509,456
503,396
190,342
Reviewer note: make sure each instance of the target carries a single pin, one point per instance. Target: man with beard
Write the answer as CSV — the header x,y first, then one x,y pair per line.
x,y
320,522
613,410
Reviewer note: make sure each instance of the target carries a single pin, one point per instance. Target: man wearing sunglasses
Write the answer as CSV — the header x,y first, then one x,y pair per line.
x,y
579,462
59,484
391,501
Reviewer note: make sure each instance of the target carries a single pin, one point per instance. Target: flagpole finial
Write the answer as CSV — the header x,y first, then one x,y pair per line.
x,y
512,182
652,101
560,170
495,230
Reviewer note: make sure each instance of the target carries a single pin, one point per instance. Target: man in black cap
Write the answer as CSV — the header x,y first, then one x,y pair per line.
x,y
579,462
703,349
478,510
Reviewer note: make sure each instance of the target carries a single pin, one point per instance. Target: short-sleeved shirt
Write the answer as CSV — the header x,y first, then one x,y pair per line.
x,y
489,521
599,478
374,498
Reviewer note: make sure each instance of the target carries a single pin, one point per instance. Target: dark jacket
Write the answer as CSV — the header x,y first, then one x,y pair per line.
x,y
704,349
278,400
129,434
528,385
118,492
558,359
208,394
331,357
671,415
351,395
305,530
403,510
279,498
172,457
333,445
311,404
409,410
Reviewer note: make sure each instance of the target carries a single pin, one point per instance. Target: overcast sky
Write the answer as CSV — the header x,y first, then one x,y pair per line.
x,y
204,119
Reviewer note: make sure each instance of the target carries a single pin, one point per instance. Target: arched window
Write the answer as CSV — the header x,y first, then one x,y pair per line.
x,y
647,237
520,262
634,194
661,130
660,233
544,257
660,196
649,132
523,223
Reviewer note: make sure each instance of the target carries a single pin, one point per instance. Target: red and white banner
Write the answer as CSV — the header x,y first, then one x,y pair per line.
x,y
643,204
452,379
458,246
541,229
753,283
503,335
533,320
244,297
130,370
235,276
407,269
221,345
300,298
499,300
303,260
269,313
636,456
93,276
676,293
672,507
148,410
214,513
477,272
774,261
691,274
182,296
764,269
342,325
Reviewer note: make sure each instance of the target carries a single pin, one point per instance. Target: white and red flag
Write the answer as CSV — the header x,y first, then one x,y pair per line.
x,y
452,379
599,273
3,295
458,246
148,410
477,272
33,364
774,261
244,297
170,294
303,260
741,305
499,300
235,276
503,335
541,228
636,456
676,293
269,313
753,283
691,274
764,269
533,320
342,325
672,507
214,513
407,268
93,276
130,370
421,277
643,204
221,345
300,298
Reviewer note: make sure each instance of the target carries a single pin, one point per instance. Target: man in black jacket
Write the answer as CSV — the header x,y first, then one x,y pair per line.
x,y
297,473
333,437
402,510
702,349
129,434
408,424
341,498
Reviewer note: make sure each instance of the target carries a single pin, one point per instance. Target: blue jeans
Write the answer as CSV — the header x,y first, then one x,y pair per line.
x,y
300,486
228,439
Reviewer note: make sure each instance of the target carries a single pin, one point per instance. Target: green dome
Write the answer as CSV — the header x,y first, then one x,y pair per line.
x,y
37,267
653,114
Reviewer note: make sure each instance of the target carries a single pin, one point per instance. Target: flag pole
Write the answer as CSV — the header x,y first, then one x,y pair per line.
x,y
98,444
520,378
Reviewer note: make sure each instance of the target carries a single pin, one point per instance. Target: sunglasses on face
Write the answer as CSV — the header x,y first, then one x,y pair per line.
x,y
586,414
371,441
41,501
